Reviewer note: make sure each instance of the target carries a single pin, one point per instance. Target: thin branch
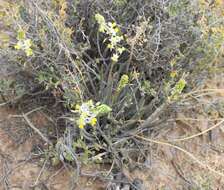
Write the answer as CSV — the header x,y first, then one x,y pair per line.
x,y
152,117
35,129
198,134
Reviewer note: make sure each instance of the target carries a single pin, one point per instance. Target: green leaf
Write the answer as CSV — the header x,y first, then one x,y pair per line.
x,y
68,156
102,109
177,90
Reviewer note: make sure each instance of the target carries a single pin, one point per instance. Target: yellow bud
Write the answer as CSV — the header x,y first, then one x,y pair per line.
x,y
81,126
93,121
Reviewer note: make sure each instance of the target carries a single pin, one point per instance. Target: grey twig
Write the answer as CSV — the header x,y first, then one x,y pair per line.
x,y
31,125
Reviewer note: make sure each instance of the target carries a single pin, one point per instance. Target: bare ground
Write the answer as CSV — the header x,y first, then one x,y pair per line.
x,y
18,167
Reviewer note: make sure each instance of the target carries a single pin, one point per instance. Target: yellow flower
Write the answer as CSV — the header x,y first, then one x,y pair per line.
x,y
81,126
77,107
114,58
90,102
173,74
29,52
19,45
93,121
116,30
81,122
113,25
25,45
88,113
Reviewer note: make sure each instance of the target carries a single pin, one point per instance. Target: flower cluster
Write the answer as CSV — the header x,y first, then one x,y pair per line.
x,y
122,83
88,113
24,43
115,38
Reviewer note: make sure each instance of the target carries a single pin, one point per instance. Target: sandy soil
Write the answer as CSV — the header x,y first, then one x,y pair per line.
x,y
18,168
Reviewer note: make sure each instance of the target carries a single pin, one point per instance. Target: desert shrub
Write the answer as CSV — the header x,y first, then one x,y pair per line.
x,y
117,66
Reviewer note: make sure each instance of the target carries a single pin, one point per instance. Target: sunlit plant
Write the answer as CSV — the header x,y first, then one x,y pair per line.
x,y
177,90
88,113
115,38
24,43
122,83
